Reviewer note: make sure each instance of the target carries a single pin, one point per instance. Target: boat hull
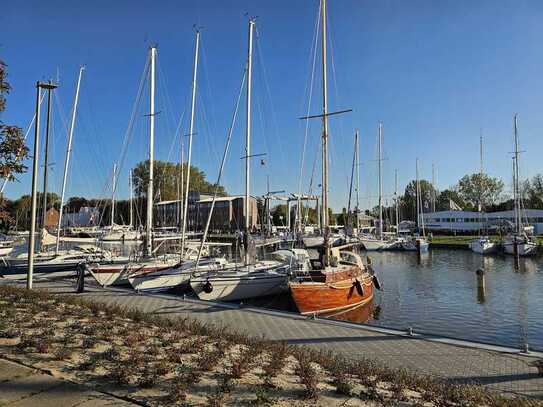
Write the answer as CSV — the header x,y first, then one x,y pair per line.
x,y
352,288
235,285
118,274
483,247
373,244
523,248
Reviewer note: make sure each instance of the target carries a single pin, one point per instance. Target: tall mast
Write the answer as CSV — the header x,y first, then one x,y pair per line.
x,y
357,147
325,220
396,199
34,188
248,133
191,131
113,188
516,190
131,200
380,180
67,161
181,189
433,188
150,190
49,88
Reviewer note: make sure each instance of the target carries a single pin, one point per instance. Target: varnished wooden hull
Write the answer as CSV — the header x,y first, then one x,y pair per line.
x,y
346,290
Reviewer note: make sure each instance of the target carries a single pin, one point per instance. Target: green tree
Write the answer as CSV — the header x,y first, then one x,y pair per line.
x,y
480,189
167,176
534,192
409,200
12,146
445,197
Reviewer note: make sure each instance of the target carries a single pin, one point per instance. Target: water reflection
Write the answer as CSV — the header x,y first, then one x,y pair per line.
x,y
359,314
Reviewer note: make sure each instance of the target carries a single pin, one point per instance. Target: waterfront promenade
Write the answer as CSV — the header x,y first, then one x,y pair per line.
x,y
503,369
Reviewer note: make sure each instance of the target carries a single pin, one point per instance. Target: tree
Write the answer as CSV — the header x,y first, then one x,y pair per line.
x,y
167,178
12,146
446,196
533,192
409,200
480,190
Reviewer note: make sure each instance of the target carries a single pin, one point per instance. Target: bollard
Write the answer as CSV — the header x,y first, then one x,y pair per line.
x,y
525,348
410,331
80,284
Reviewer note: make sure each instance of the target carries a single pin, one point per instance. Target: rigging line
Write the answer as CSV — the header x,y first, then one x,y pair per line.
x,y
221,169
128,133
208,86
264,73
202,112
312,81
6,179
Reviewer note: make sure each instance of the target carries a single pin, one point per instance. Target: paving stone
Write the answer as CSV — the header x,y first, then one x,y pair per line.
x,y
502,371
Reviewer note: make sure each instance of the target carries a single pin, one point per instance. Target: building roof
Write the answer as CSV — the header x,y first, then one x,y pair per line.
x,y
223,198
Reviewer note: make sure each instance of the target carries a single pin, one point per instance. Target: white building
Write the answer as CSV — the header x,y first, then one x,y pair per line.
x,y
465,221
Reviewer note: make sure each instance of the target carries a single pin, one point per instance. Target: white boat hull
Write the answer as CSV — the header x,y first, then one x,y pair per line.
x,y
172,277
373,244
235,285
483,246
524,248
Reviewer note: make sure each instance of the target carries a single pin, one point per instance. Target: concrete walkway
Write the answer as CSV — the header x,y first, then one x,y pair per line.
x,y
22,386
502,369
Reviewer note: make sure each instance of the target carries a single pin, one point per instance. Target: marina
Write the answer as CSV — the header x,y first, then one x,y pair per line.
x,y
204,250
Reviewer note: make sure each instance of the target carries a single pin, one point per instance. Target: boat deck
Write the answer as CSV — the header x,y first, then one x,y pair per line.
x,y
504,369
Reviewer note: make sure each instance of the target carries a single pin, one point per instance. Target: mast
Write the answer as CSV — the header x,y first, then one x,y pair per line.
x,y
481,171
248,134
67,161
191,130
325,220
130,203
49,88
516,191
34,188
433,188
114,186
150,191
349,223
357,147
420,218
396,200
380,180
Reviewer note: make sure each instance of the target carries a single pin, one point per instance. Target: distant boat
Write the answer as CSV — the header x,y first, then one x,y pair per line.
x,y
340,280
483,245
518,242
416,243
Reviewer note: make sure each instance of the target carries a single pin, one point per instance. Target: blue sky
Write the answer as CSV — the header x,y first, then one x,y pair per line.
x,y
435,72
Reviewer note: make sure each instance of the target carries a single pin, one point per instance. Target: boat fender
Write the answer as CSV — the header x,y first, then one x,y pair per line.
x,y
359,288
208,287
376,282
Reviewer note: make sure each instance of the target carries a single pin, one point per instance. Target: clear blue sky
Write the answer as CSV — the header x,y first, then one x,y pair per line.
x,y
435,72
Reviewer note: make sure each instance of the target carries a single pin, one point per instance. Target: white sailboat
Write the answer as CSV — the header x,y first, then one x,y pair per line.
x,y
370,242
417,243
117,270
250,279
482,244
518,243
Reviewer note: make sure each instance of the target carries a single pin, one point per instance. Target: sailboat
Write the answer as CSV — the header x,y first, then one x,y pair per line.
x,y
341,280
117,270
377,242
482,244
251,278
120,233
417,243
53,261
518,243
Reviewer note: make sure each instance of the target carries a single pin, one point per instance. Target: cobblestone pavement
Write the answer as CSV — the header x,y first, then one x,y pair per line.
x,y
22,386
505,371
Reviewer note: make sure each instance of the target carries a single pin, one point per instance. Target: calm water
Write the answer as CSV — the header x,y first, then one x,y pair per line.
x,y
437,293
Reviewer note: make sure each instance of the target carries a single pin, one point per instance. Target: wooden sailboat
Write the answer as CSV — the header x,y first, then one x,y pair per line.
x,y
341,280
